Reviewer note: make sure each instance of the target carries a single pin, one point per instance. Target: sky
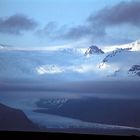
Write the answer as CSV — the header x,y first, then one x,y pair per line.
x,y
39,23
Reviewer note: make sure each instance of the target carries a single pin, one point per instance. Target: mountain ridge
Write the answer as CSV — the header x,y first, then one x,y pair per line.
x,y
69,63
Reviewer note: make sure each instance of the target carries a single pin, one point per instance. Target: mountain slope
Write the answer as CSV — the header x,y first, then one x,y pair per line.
x,y
120,61
114,53
15,120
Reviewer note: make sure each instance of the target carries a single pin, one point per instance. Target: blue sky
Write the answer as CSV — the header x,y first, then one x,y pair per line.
x,y
51,22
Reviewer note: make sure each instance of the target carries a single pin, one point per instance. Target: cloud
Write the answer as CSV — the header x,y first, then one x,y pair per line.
x,y
52,30
122,13
48,30
110,87
16,24
101,27
82,31
97,23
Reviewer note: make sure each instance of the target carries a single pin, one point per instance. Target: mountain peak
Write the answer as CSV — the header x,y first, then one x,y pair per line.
x,y
93,50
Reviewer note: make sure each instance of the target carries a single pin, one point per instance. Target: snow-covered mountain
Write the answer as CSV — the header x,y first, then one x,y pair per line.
x,y
70,63
114,53
121,60
93,50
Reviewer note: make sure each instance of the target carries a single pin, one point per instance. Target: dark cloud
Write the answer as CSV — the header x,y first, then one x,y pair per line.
x,y
16,24
122,13
97,23
83,31
115,87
